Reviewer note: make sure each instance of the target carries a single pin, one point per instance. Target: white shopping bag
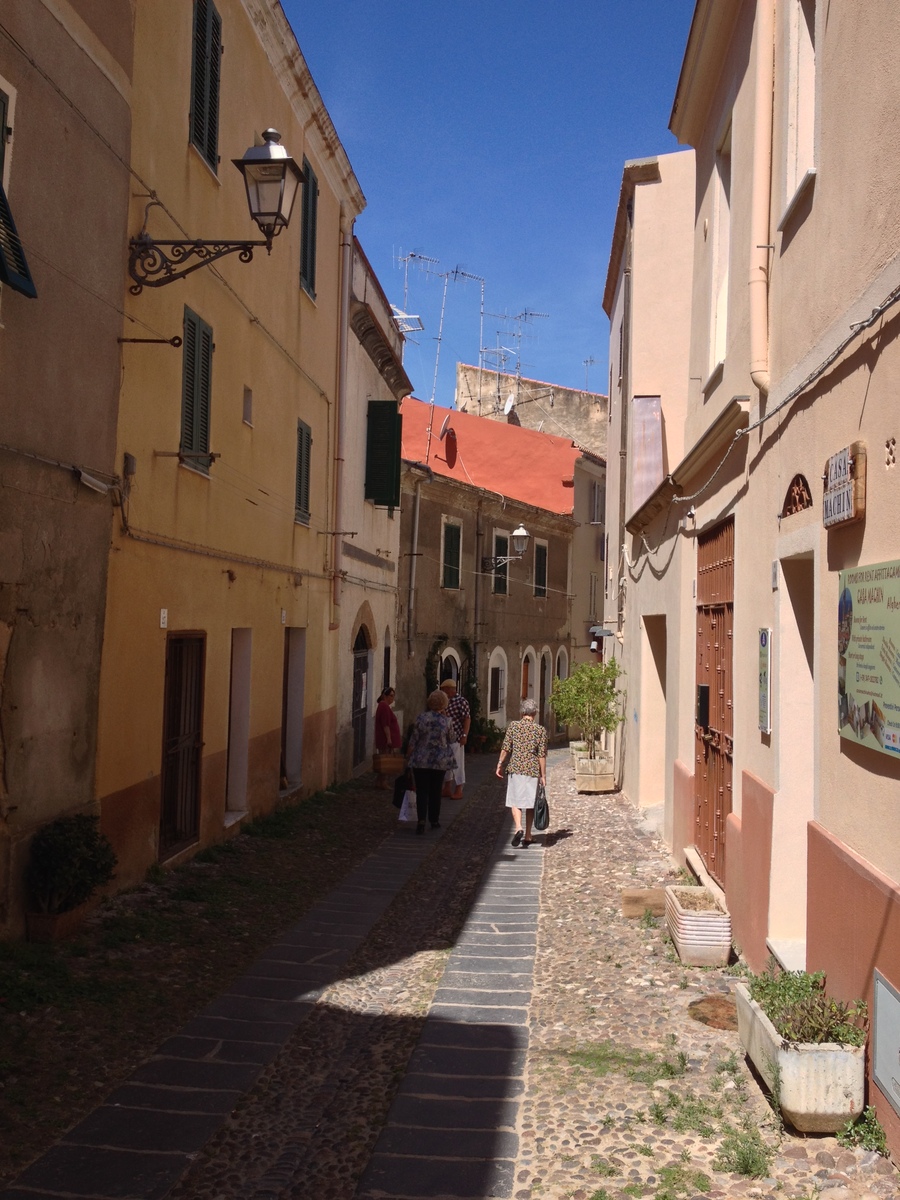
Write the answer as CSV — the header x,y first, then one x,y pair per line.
x,y
408,807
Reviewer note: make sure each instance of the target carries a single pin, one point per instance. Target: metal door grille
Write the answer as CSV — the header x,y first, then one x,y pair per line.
x,y
182,743
714,745
360,711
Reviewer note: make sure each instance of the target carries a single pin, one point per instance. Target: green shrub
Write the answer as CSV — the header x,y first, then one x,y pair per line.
x,y
590,700
866,1132
796,1004
70,859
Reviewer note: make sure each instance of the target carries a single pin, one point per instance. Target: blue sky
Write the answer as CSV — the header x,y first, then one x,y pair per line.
x,y
491,136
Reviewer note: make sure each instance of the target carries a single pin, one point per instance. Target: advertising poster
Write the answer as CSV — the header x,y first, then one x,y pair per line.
x,y
869,656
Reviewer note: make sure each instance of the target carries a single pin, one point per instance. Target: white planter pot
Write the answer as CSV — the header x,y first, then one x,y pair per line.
x,y
820,1087
702,938
594,775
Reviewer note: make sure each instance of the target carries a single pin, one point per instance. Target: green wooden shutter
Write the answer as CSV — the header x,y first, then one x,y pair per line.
x,y
205,81
501,572
384,426
304,463
4,117
540,569
196,391
14,271
452,538
309,222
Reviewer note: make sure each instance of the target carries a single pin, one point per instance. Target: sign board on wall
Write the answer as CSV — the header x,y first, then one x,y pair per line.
x,y
869,656
765,680
845,486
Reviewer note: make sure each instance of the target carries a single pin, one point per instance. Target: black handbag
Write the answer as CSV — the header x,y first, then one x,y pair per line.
x,y
404,782
541,809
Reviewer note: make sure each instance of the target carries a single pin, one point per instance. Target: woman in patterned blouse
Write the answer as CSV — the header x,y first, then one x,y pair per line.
x,y
525,746
431,755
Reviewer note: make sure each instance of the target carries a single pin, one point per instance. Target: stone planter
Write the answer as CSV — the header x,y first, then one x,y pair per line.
x,y
577,750
55,927
702,937
819,1087
595,775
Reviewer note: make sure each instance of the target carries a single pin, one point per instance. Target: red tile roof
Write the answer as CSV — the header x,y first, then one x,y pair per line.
x,y
522,464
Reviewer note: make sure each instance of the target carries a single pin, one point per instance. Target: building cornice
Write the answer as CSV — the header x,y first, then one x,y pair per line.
x,y
562,521
637,170
280,44
374,341
712,443
712,25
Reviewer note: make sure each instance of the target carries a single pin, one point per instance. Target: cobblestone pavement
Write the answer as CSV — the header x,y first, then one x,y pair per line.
x,y
608,994
501,1030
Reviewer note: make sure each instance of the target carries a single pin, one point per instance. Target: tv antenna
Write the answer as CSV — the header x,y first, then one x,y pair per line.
x,y
406,321
587,363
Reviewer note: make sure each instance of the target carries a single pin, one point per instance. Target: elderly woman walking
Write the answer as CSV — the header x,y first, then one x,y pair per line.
x,y
431,757
525,748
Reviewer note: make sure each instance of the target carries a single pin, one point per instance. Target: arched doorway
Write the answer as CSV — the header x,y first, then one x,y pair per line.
x,y
360,704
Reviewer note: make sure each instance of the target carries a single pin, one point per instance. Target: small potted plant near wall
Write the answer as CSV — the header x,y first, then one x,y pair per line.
x,y
69,860
590,700
808,1047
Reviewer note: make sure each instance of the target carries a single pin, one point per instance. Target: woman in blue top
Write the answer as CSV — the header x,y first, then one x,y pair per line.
x,y
431,756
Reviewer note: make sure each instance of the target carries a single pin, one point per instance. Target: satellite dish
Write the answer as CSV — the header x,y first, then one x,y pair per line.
x,y
509,405
444,428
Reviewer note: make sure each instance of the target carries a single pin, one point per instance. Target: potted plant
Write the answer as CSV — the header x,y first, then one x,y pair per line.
x,y
590,700
808,1047
69,860
699,928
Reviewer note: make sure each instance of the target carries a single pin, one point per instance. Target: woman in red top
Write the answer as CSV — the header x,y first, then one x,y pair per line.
x,y
387,730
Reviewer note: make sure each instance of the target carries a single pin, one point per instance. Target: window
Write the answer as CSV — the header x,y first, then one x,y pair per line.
x,y
248,406
304,448
310,209
597,513
207,67
801,99
450,557
383,428
540,568
721,251
196,390
14,270
497,690
501,572
592,597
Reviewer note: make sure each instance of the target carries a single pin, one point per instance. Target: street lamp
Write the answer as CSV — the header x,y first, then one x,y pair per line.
x,y
520,538
271,178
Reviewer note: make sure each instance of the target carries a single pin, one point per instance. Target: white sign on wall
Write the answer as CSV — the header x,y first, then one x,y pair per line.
x,y
765,680
844,499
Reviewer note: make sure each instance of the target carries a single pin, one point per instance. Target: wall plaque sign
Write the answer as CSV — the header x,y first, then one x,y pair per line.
x,y
868,629
845,486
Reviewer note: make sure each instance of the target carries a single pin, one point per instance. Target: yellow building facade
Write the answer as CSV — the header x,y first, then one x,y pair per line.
x,y
218,691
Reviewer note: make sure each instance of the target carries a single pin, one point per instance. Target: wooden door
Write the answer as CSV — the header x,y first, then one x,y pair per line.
x,y
714,723
182,743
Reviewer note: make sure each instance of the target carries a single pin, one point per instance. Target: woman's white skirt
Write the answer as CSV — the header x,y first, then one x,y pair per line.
x,y
521,791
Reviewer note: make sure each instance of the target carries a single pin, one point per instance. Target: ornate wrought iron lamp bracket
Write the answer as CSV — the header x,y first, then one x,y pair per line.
x,y
154,264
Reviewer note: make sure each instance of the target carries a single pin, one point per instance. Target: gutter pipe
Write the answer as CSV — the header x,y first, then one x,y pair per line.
x,y
414,554
341,420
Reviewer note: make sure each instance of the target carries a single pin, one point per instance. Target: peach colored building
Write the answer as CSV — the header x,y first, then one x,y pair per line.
x,y
759,599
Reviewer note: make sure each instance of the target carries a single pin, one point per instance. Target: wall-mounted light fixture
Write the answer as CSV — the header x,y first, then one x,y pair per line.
x,y
271,177
520,538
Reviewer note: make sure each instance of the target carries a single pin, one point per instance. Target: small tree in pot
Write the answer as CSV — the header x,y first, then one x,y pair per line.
x,y
590,700
70,859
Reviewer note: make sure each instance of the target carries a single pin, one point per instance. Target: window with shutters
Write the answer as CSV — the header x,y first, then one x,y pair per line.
x,y
196,391
310,207
501,571
304,452
451,555
383,429
14,270
540,568
205,78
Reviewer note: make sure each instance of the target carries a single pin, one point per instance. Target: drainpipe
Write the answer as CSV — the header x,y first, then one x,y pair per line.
x,y
760,197
625,392
479,541
346,269
413,557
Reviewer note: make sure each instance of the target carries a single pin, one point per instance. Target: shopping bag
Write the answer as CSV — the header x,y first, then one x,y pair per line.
x,y
408,811
541,809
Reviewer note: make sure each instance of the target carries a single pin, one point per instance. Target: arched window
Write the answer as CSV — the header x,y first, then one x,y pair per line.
x,y
497,687
450,662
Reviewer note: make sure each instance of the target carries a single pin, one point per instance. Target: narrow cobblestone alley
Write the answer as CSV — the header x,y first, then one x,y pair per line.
x,y
460,1019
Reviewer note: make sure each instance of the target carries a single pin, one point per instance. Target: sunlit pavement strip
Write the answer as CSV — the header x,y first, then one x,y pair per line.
x,y
451,1130
147,1134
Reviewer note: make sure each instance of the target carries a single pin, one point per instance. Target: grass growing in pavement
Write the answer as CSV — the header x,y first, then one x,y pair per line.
x,y
602,1058
744,1152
